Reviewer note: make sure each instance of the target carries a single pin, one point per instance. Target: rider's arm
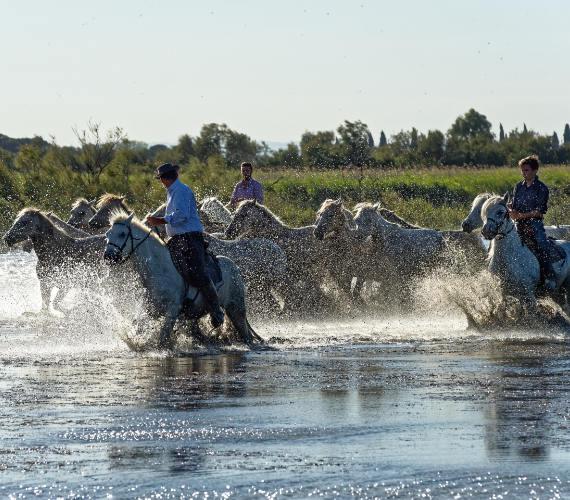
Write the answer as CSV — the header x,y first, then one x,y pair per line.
x,y
178,209
258,192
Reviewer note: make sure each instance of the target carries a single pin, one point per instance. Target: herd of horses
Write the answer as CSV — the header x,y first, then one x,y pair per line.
x,y
343,262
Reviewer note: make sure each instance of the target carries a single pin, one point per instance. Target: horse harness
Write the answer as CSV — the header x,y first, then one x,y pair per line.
x,y
132,239
505,218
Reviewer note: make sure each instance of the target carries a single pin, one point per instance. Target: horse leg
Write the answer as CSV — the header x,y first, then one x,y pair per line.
x,y
236,314
45,291
165,341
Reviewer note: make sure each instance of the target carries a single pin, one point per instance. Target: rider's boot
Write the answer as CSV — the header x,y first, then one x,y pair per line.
x,y
213,304
549,276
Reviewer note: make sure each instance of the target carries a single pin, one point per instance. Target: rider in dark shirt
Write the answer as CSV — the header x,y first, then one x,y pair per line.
x,y
527,209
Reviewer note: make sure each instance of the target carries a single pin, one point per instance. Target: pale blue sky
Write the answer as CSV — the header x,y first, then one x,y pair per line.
x,y
273,69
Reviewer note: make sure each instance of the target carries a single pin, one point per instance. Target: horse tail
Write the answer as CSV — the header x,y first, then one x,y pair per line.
x,y
254,333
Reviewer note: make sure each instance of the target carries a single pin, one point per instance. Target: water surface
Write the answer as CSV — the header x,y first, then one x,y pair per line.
x,y
406,407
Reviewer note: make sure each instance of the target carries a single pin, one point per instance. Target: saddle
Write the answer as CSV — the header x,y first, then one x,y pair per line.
x,y
213,268
555,253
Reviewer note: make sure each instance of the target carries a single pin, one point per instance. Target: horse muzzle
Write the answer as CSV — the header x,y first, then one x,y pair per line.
x,y
10,239
112,257
467,226
489,232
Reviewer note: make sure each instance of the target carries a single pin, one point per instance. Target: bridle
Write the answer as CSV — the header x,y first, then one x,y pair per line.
x,y
500,233
130,238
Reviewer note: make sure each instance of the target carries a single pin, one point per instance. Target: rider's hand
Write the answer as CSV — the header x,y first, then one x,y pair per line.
x,y
154,221
514,214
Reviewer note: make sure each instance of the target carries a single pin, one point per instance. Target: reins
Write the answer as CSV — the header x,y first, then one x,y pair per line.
x,y
132,240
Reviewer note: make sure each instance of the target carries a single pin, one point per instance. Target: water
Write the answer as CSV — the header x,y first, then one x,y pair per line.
x,y
409,407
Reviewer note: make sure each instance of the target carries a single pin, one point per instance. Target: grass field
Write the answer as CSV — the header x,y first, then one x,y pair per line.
x,y
437,198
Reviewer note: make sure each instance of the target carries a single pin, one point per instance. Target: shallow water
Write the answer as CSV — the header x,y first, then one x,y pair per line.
x,y
407,407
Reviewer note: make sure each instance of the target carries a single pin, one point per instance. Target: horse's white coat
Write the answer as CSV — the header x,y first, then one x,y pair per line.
x,y
513,262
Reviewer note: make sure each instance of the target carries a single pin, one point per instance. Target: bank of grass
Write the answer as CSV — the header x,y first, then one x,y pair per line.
x,y
438,198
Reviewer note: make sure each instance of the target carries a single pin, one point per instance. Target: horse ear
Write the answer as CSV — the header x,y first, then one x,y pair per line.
x,y
129,219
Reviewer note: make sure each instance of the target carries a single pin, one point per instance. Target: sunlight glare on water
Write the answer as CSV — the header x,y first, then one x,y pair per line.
x,y
408,407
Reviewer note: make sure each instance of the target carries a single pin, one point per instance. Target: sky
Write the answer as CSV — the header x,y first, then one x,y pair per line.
x,y
274,69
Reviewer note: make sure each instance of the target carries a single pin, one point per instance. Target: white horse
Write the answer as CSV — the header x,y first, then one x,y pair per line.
x,y
217,213
108,204
474,220
307,257
56,251
166,292
514,264
81,211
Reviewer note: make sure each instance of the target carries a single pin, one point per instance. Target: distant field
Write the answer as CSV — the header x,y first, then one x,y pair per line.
x,y
433,198
437,198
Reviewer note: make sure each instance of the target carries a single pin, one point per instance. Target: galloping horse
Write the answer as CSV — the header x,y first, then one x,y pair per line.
x,y
514,263
166,290
55,250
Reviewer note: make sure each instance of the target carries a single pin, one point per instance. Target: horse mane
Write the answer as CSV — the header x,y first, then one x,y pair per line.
x,y
78,202
480,197
110,198
327,203
121,215
215,200
30,210
262,208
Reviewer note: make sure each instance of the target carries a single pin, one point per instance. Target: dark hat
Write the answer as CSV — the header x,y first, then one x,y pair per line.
x,y
165,168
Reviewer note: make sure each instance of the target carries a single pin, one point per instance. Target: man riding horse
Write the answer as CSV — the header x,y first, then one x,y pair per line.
x,y
527,209
186,243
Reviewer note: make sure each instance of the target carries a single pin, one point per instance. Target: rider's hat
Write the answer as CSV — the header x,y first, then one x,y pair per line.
x,y
165,168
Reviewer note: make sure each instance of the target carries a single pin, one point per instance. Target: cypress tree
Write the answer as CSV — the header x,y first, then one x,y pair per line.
x,y
370,139
501,133
525,130
555,141
383,140
566,136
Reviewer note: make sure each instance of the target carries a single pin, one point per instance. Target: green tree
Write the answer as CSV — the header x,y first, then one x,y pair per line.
x,y
382,141
97,149
555,141
185,148
501,133
318,149
470,126
414,138
239,147
566,136
354,141
431,147
210,141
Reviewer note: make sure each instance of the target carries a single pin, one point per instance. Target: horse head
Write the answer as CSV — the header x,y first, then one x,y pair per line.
x,y
366,218
107,204
120,238
81,211
495,215
249,217
27,224
330,219
473,219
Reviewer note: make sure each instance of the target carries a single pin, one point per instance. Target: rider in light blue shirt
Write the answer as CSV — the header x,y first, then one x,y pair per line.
x,y
181,214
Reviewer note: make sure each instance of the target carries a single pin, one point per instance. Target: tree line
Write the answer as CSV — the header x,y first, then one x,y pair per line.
x,y
469,141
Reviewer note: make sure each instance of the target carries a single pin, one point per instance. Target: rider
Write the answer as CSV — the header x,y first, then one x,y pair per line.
x,y
186,243
248,188
527,209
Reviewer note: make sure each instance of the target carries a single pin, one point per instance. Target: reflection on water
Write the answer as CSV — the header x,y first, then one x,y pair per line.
x,y
404,410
